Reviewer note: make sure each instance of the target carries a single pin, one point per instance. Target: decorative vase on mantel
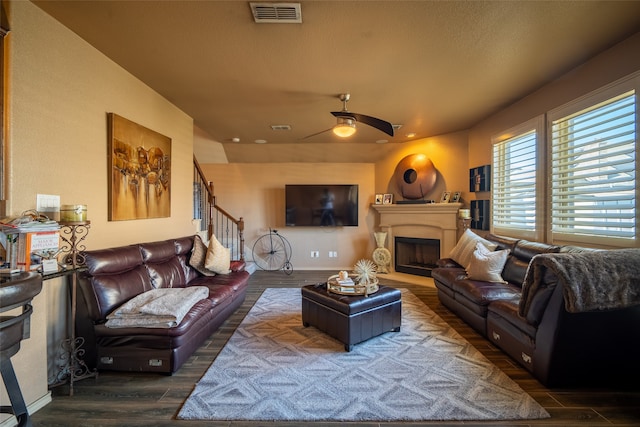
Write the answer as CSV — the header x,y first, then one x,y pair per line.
x,y
381,255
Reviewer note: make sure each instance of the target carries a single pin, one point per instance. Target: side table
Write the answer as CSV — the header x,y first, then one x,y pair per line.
x,y
72,234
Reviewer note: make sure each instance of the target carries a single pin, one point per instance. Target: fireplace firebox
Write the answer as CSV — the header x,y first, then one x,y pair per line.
x,y
416,256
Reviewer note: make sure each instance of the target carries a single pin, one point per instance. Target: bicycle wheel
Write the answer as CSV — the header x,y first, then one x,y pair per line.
x,y
269,252
288,268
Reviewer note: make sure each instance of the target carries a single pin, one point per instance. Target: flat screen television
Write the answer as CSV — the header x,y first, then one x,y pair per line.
x,y
313,205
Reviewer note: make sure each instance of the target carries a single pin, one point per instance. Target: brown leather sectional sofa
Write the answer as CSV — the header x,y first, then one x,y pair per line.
x,y
559,347
115,276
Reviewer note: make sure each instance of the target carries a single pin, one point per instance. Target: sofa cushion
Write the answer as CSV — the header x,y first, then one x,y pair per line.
x,y
113,260
503,242
112,290
482,293
158,251
463,250
521,254
508,310
218,257
167,274
487,265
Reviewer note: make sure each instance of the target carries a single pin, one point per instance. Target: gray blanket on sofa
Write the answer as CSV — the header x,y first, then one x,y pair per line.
x,y
157,308
594,280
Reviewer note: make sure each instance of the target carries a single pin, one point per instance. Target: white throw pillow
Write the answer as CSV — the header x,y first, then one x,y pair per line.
x,y
487,265
465,247
218,257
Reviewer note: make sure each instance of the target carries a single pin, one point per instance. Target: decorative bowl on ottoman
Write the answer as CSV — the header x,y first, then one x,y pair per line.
x,y
337,285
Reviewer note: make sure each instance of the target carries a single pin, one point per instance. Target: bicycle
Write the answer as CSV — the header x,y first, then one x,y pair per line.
x,y
272,252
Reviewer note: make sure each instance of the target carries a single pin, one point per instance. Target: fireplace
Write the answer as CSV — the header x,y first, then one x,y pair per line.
x,y
436,222
415,255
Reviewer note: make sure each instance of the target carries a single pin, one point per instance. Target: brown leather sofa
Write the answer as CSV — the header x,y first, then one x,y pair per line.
x,y
116,275
559,347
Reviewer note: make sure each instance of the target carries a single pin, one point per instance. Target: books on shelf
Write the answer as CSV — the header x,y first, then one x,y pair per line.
x,y
26,251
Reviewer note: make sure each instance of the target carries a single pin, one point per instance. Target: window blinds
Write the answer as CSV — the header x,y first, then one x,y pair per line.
x,y
593,170
514,181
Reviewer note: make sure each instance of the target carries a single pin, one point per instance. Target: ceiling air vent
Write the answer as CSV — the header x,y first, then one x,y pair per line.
x,y
279,13
281,127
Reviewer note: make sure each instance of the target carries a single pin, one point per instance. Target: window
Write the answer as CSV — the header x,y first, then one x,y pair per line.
x,y
516,209
593,168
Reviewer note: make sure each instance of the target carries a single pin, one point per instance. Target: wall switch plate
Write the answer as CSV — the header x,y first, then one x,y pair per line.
x,y
49,205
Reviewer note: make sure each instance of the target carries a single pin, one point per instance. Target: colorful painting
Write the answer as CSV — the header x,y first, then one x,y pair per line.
x,y
139,171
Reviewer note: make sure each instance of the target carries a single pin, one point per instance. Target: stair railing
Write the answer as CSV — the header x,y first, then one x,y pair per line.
x,y
228,230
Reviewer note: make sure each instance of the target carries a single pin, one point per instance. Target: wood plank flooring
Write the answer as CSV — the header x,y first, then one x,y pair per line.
x,y
138,399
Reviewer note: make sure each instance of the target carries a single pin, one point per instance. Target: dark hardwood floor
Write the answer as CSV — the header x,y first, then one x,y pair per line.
x,y
137,399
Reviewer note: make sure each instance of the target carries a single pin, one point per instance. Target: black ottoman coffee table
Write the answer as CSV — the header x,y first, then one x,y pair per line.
x,y
351,319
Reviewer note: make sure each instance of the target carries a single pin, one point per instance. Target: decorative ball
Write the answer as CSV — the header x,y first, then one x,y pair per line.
x,y
415,176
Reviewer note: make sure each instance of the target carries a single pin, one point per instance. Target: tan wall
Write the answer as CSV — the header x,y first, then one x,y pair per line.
x,y
255,191
59,92
449,156
613,64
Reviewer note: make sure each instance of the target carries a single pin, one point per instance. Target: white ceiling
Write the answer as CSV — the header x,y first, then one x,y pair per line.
x,y
434,67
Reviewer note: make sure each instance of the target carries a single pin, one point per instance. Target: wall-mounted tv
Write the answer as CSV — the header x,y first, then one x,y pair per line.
x,y
313,205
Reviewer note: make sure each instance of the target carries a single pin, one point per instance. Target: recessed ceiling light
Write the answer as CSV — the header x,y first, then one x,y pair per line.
x,y
260,141
382,141
411,135
236,139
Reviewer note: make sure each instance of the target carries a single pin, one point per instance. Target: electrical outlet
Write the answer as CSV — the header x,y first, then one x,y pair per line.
x,y
333,254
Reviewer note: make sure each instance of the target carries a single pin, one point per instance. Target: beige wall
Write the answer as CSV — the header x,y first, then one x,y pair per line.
x,y
255,192
615,63
449,156
618,62
59,92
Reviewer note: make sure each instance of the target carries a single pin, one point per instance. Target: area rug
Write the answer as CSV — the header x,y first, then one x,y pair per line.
x,y
274,369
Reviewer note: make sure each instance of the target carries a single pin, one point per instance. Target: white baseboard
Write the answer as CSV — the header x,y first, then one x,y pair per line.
x,y
12,421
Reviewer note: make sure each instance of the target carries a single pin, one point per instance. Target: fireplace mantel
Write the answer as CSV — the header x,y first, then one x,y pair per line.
x,y
428,221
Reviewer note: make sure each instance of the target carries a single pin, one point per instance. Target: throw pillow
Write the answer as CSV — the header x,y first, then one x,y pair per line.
x,y
465,247
218,257
198,257
487,265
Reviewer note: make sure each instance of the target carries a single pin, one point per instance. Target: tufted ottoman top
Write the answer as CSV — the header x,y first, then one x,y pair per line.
x,y
350,305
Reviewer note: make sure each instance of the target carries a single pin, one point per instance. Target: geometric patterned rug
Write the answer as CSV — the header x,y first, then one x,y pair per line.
x,y
274,369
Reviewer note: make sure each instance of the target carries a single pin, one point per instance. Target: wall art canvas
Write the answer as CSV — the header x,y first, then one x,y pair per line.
x,y
139,171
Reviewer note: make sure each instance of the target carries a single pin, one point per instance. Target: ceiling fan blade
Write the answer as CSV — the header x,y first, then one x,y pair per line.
x,y
379,124
317,133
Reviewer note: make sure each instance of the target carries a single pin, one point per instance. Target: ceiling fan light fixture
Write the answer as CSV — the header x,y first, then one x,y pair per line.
x,y
345,127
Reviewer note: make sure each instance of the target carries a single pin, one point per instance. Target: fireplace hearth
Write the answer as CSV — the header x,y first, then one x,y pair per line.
x,y
416,256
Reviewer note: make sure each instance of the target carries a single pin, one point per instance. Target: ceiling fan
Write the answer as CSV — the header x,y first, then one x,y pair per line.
x,y
346,125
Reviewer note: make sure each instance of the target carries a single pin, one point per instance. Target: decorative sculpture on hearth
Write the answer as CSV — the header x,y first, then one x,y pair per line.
x,y
381,255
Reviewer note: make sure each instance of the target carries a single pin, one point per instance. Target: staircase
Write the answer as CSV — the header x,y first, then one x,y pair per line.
x,y
214,220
